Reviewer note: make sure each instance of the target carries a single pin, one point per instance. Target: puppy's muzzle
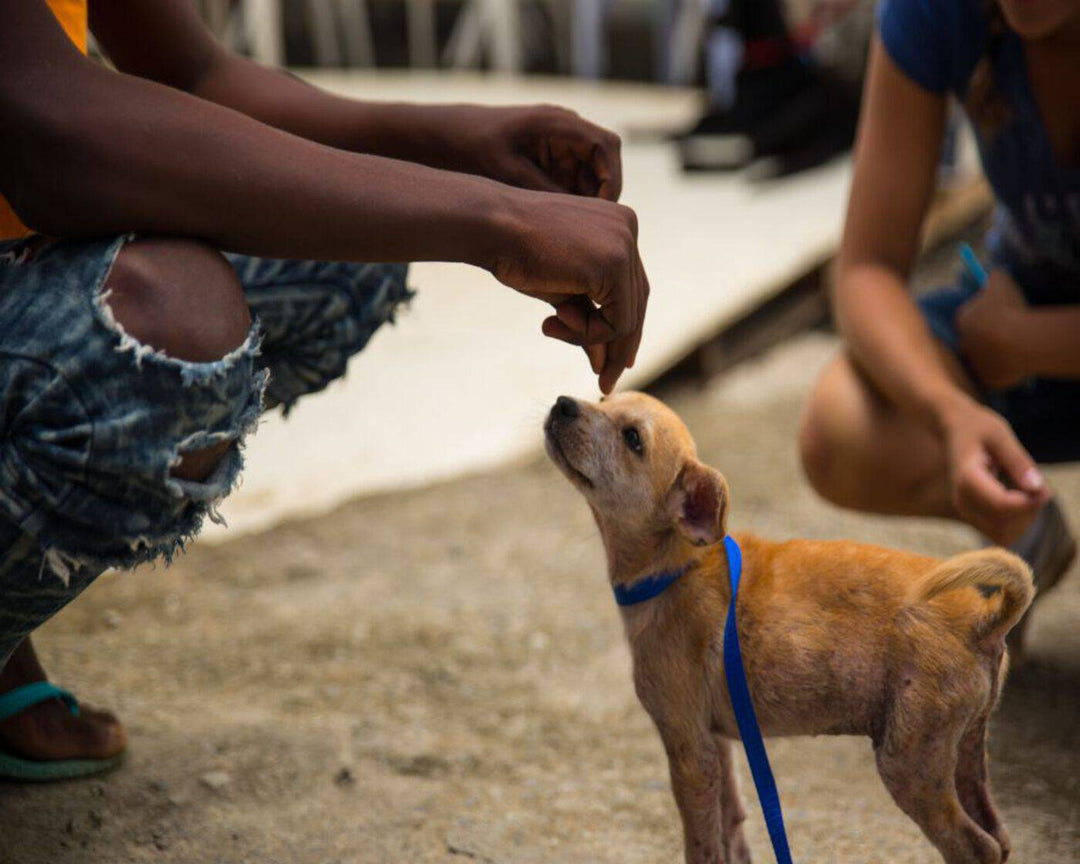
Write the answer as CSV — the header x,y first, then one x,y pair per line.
x,y
566,408
559,432
564,412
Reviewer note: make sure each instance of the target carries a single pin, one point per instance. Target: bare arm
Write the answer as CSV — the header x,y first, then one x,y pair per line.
x,y
535,147
87,151
895,167
1005,341
1047,339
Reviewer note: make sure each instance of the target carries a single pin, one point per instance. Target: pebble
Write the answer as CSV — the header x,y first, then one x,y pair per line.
x,y
216,780
344,777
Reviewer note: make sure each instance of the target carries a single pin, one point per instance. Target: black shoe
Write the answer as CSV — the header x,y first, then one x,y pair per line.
x,y
1049,547
814,127
723,140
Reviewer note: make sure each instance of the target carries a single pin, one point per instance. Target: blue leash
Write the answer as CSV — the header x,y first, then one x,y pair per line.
x,y
745,717
738,689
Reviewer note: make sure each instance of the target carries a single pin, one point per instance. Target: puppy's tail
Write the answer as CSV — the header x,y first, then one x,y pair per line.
x,y
1002,580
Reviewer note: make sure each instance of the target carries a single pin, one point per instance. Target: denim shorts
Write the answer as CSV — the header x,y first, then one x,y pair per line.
x,y
92,422
1044,413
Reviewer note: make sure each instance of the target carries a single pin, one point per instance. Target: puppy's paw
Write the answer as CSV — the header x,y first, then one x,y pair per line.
x,y
736,849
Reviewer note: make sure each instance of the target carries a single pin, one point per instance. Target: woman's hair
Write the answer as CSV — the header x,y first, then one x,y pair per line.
x,y
986,104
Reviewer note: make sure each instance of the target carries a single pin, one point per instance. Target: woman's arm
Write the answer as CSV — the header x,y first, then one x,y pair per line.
x,y
86,151
1047,339
536,147
895,168
1005,341
896,160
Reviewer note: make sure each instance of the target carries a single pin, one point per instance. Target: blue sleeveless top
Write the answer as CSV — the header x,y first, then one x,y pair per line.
x,y
1036,233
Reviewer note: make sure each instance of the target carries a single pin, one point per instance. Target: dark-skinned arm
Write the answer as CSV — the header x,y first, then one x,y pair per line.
x,y
86,151
534,147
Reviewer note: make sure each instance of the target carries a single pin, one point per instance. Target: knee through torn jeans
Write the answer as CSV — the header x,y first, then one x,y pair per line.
x,y
92,422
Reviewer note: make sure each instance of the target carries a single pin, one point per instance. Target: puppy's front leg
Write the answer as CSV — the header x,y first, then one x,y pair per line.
x,y
694,763
732,811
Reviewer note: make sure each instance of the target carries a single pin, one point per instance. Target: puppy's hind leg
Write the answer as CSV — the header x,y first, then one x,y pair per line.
x,y
918,763
973,784
732,810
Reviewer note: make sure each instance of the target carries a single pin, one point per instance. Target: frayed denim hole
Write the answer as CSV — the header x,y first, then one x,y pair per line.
x,y
191,372
226,474
200,499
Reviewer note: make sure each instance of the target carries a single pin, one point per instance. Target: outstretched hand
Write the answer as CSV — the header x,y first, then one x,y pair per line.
x,y
569,244
580,255
995,484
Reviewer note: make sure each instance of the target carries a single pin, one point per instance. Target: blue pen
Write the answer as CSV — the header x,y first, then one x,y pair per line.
x,y
973,264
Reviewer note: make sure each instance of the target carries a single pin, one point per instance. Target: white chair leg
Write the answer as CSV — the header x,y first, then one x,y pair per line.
x,y
587,38
320,19
465,46
501,20
687,33
356,26
423,44
495,24
262,26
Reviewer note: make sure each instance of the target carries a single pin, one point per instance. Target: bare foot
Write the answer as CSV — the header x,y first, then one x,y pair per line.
x,y
48,731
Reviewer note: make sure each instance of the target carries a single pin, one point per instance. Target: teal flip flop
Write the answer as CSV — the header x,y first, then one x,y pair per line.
x,y
15,768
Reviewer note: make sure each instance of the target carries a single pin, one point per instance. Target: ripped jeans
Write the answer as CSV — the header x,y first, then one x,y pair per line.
x,y
92,423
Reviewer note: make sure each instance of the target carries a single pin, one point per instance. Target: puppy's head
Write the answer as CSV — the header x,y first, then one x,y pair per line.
x,y
636,464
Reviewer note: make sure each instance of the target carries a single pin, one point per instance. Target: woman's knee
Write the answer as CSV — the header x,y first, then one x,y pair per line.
x,y
822,431
180,297
859,451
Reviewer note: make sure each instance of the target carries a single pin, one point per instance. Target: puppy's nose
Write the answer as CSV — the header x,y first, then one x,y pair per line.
x,y
567,407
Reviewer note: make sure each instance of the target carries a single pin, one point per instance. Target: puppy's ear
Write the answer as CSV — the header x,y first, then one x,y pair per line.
x,y
698,503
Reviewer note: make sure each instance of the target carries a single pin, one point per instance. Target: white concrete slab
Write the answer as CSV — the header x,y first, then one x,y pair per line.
x,y
465,379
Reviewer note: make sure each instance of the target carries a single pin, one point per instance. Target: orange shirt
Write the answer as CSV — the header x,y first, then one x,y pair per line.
x,y
72,17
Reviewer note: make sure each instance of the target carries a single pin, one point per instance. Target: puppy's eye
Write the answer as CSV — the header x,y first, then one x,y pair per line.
x,y
633,440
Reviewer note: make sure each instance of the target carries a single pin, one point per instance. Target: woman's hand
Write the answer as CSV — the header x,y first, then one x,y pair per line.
x,y
994,482
540,147
986,325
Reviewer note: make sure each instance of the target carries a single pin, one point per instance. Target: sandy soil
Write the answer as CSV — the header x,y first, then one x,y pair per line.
x,y
440,676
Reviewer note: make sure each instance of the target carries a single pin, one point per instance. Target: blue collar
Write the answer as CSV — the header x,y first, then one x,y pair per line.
x,y
657,583
647,588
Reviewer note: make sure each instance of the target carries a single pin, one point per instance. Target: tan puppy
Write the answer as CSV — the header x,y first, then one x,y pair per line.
x,y
837,638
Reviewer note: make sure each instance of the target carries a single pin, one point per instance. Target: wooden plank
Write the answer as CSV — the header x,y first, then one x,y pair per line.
x,y
804,303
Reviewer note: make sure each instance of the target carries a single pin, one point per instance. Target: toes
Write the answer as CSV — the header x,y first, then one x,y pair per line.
x,y
102,736
48,732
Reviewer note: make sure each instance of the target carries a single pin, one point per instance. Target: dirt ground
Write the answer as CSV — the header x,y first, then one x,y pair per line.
x,y
440,676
